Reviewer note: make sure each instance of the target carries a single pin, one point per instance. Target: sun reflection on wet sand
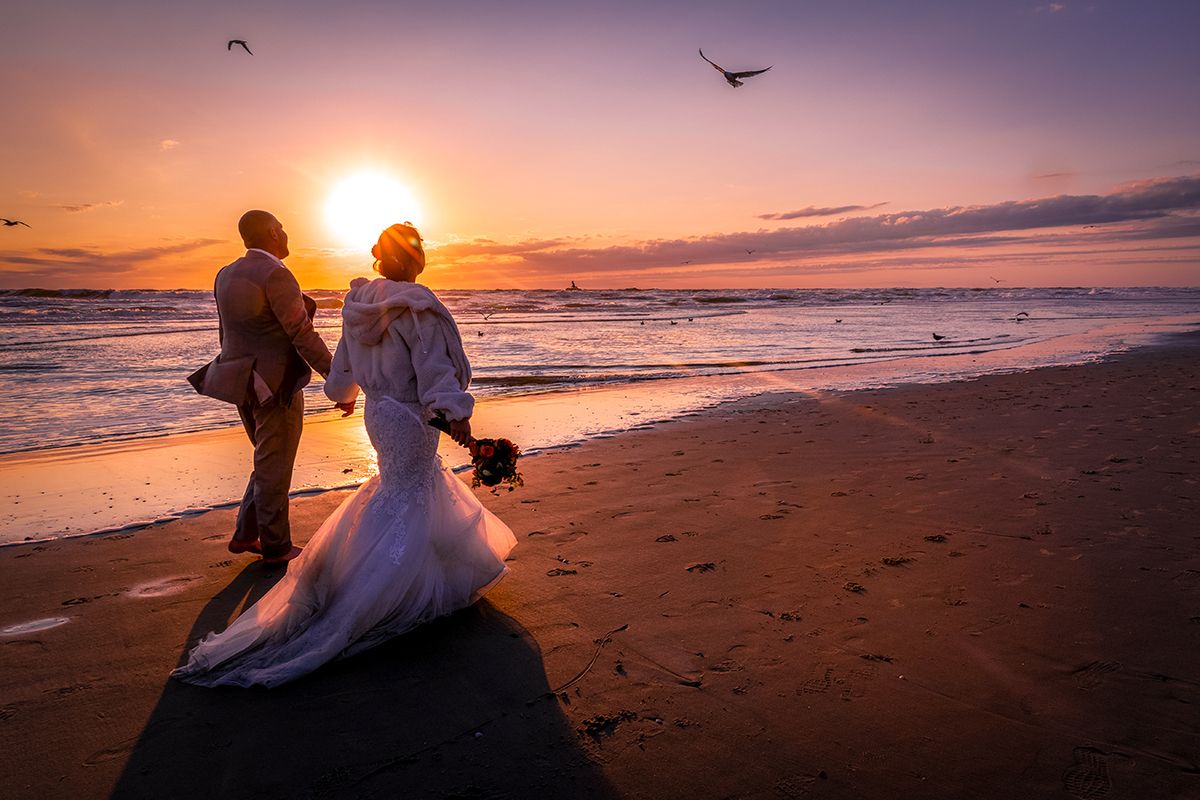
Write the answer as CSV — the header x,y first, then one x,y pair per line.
x,y
81,490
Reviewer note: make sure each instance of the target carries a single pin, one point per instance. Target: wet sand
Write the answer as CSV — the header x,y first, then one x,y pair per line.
x,y
987,589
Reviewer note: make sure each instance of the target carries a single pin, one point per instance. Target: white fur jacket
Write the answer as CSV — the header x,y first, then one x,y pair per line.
x,y
399,340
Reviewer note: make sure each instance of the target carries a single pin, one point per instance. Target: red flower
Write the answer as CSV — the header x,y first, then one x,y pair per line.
x,y
487,451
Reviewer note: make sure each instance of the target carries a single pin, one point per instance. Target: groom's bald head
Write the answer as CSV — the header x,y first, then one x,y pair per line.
x,y
262,230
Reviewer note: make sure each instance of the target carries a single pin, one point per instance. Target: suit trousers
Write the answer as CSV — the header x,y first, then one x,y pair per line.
x,y
274,430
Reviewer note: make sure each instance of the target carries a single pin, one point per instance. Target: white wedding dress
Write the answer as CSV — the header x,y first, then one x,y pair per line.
x,y
411,544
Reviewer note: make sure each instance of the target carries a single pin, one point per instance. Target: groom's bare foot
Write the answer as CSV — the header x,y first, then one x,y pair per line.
x,y
283,559
239,546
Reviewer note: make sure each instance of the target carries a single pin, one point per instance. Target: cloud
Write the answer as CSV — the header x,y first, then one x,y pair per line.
x,y
1052,8
71,261
814,211
75,209
168,144
474,248
1053,176
1162,208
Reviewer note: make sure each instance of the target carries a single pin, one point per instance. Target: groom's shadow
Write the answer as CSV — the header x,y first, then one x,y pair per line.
x,y
458,708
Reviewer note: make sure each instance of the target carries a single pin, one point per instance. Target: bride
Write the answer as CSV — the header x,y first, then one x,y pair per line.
x,y
412,543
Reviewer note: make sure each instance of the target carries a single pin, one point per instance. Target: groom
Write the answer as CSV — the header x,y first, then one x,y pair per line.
x,y
268,346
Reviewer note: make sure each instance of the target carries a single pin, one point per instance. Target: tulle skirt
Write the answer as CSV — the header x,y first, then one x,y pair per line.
x,y
411,544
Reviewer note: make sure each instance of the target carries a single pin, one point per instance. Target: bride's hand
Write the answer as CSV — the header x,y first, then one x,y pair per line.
x,y
460,431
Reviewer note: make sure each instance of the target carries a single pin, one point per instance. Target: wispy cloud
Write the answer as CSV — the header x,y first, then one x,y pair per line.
x,y
1053,176
817,211
168,144
80,207
1163,208
82,261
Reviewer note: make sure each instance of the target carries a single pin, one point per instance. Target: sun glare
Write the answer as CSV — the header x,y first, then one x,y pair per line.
x,y
363,204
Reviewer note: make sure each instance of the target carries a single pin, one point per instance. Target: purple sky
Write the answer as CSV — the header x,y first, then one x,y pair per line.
x,y
890,144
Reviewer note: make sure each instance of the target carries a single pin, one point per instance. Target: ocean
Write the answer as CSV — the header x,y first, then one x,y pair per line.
x,y
85,366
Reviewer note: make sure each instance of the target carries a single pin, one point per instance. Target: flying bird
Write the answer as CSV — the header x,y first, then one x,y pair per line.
x,y
733,78
749,252
1021,316
937,337
8,223
242,42
997,280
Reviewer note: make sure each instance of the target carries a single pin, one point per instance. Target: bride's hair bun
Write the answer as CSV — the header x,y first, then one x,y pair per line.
x,y
400,245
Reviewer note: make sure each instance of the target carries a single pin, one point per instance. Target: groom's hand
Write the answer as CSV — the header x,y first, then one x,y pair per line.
x,y
346,408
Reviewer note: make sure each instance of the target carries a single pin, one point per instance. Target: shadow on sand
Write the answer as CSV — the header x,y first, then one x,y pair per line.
x,y
457,708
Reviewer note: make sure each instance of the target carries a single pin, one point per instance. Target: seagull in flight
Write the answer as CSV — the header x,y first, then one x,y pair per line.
x,y
997,280
8,223
734,78
749,252
242,42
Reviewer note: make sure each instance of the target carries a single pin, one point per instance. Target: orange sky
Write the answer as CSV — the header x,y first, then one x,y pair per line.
x,y
547,143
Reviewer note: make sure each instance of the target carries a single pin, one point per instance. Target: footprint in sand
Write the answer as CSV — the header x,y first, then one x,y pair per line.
x,y
1091,676
819,684
163,587
121,750
1087,778
34,626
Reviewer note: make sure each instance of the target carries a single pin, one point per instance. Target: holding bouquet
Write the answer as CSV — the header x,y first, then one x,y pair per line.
x,y
494,460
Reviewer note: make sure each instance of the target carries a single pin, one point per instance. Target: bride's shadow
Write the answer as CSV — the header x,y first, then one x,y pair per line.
x,y
458,708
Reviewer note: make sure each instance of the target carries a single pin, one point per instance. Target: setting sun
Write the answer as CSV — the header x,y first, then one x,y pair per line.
x,y
363,204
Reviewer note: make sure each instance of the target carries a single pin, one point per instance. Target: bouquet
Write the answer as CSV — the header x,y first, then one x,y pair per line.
x,y
495,460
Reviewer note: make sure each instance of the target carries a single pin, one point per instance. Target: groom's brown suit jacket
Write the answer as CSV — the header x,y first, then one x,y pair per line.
x,y
265,317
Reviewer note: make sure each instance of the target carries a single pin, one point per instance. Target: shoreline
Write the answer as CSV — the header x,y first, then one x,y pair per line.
x,y
978,589
199,471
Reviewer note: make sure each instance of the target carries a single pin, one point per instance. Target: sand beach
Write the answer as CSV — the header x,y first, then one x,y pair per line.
x,y
985,589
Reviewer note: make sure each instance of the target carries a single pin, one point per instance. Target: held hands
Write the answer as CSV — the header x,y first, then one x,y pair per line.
x,y
460,431
346,408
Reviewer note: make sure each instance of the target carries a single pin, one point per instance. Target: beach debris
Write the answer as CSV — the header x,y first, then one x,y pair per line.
x,y
857,588
600,643
791,616
602,725
9,223
876,657
937,337
666,537
936,537
734,79
707,566
240,42
557,571
896,561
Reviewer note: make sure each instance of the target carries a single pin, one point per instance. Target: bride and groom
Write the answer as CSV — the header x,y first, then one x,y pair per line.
x,y
412,543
